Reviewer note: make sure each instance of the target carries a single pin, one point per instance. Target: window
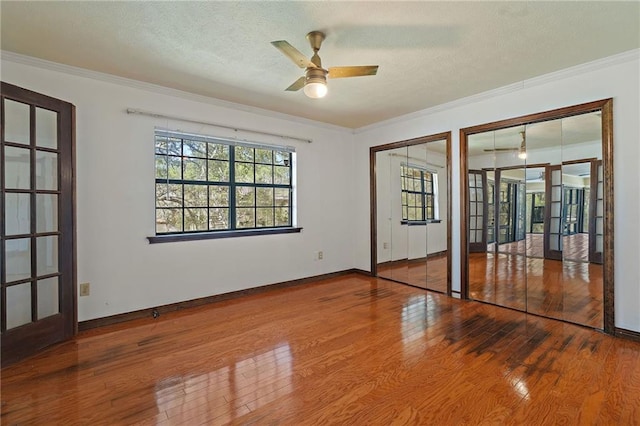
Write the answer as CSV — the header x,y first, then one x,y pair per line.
x,y
419,195
209,185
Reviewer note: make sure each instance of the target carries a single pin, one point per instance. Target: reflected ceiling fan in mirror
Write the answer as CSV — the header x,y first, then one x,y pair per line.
x,y
522,151
314,80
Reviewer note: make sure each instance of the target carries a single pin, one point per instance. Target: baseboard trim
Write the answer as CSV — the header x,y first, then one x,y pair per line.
x,y
172,307
627,334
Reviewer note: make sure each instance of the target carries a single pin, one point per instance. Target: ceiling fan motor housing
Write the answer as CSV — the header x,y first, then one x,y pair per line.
x,y
316,75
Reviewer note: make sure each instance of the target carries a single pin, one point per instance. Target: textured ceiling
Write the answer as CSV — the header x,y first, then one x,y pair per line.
x,y
429,52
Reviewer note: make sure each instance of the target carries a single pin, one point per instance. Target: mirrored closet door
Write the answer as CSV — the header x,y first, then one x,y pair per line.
x,y
410,212
539,209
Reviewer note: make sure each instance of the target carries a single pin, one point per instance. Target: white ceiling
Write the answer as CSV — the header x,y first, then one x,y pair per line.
x,y
429,52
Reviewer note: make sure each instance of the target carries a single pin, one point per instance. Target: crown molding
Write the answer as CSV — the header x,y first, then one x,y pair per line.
x,y
163,90
621,58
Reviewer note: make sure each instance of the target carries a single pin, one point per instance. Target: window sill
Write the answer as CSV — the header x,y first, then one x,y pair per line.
x,y
419,222
173,238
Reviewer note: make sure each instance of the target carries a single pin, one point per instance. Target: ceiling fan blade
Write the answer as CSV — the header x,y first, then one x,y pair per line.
x,y
294,54
502,150
358,71
297,85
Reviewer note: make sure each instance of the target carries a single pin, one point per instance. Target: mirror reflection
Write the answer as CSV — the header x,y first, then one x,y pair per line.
x,y
411,203
536,218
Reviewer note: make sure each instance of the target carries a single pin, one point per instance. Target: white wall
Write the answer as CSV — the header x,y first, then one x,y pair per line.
x,y
616,77
115,198
115,172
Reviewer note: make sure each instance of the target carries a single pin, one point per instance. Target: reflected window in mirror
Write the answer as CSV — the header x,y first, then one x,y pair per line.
x,y
419,194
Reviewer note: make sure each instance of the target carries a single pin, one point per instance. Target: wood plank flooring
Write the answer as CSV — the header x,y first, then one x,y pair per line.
x,y
567,290
352,350
429,273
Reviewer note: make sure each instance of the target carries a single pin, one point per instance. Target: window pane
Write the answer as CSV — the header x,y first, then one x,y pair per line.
x,y
218,171
244,153
245,196
282,197
174,146
281,176
195,220
161,145
174,165
194,149
17,168
162,170
218,218
264,174
282,158
218,151
218,196
245,217
264,156
195,169
168,220
195,196
264,217
17,211
264,197
244,172
168,195
46,170
282,216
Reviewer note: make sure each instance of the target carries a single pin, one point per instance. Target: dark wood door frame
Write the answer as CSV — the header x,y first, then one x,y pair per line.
x,y
25,340
373,206
606,107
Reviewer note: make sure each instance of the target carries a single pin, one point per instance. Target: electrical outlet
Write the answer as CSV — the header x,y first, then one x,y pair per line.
x,y
320,255
385,245
85,289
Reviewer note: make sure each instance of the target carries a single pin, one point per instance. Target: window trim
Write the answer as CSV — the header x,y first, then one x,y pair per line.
x,y
213,235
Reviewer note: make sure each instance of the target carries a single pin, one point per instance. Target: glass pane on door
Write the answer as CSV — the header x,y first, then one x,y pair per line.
x,y
18,259
46,212
18,305
17,168
48,297
16,122
47,255
46,170
17,214
46,128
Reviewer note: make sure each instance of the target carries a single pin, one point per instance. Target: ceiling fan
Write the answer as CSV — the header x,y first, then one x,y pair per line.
x,y
314,80
522,152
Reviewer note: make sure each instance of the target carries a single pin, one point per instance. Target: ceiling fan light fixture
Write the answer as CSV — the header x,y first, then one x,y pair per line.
x,y
522,154
315,85
315,89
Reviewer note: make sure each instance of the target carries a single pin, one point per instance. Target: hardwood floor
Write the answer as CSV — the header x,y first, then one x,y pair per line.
x,y
575,247
429,273
566,290
352,350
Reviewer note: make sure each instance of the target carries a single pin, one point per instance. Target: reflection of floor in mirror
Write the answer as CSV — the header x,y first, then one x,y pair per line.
x,y
568,290
416,272
575,247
